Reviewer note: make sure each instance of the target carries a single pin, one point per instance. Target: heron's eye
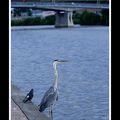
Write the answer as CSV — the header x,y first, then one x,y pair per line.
x,y
56,60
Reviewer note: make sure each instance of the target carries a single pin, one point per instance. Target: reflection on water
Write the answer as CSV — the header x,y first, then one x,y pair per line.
x,y
83,81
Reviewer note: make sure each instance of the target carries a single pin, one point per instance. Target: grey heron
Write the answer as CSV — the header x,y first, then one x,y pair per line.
x,y
29,96
51,95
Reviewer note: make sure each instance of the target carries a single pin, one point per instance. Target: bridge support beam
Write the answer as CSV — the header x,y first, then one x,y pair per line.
x,y
64,19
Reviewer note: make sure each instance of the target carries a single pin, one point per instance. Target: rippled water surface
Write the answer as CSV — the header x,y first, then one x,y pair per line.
x,y
83,81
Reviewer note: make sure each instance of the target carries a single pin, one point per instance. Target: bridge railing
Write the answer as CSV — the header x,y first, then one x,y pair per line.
x,y
59,5
55,3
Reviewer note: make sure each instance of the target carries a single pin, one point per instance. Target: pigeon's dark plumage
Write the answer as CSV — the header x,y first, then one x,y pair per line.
x,y
29,96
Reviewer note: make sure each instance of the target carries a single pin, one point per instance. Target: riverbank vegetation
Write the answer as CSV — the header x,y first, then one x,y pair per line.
x,y
84,18
91,18
50,20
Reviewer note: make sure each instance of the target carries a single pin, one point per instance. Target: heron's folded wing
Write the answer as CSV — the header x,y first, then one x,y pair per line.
x,y
47,93
50,95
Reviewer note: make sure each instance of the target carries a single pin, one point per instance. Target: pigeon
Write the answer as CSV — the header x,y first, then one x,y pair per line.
x,y
29,96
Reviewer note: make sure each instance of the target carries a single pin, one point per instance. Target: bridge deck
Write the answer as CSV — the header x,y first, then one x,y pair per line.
x,y
59,6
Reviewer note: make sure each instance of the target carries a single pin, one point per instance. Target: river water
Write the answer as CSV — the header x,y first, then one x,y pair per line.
x,y
83,81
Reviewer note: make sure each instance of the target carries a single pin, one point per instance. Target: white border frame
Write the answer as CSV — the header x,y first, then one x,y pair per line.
x,y
10,59
109,59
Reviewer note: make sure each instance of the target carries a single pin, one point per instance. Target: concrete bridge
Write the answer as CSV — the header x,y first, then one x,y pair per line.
x,y
63,11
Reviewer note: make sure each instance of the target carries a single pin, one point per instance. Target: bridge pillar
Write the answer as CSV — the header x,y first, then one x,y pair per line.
x,y
64,19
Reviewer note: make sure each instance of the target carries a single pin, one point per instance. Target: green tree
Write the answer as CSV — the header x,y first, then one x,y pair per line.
x,y
105,17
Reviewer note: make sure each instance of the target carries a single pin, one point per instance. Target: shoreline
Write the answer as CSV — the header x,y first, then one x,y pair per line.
x,y
28,111
44,27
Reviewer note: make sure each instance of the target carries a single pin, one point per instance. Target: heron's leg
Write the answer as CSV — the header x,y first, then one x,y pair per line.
x,y
51,113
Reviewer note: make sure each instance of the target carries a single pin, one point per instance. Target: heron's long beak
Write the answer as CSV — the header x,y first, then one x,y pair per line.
x,y
62,61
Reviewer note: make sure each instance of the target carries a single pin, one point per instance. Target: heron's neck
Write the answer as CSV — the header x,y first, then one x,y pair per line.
x,y
55,84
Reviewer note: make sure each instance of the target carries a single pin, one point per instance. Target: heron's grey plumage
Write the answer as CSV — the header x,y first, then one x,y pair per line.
x,y
51,95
